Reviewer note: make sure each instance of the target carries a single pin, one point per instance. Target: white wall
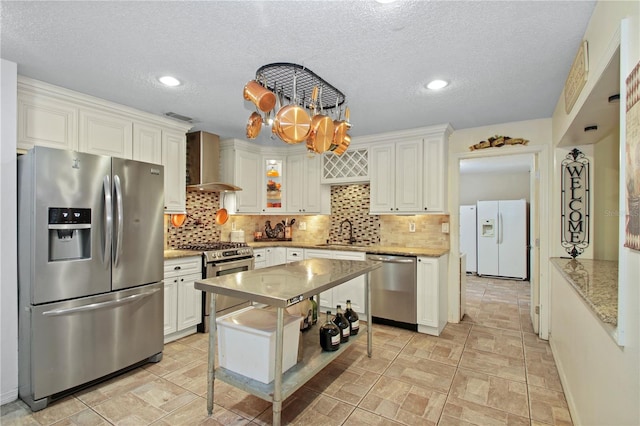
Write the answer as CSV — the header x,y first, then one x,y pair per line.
x,y
493,186
601,380
8,235
605,213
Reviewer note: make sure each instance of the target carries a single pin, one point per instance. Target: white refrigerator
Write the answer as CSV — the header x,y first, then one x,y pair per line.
x,y
502,238
468,235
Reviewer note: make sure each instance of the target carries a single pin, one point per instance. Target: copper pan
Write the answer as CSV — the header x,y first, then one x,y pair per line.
x,y
321,131
343,145
254,125
340,130
292,121
222,215
262,97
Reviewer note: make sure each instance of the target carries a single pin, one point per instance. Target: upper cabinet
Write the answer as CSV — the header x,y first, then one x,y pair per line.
x,y
242,167
46,122
274,187
305,194
147,143
175,171
408,171
59,118
103,133
396,177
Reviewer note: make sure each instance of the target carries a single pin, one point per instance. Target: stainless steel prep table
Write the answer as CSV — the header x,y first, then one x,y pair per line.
x,y
282,286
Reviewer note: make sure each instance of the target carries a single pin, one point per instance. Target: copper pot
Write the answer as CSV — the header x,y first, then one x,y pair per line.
x,y
321,130
254,125
292,121
262,97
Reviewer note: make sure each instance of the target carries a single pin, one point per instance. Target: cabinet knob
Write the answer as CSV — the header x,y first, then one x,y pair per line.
x,y
397,209
177,268
181,279
391,209
425,208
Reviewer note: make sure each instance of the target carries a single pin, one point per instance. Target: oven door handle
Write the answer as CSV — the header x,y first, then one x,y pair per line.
x,y
220,266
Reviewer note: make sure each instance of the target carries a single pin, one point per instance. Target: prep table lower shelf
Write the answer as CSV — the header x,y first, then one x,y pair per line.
x,y
313,360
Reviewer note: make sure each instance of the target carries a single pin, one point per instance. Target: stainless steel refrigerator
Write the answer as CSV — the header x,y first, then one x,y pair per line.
x,y
90,269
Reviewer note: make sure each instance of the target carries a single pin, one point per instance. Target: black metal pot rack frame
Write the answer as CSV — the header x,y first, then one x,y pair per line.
x,y
279,77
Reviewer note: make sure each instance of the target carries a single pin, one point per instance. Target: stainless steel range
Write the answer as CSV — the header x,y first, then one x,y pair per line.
x,y
222,258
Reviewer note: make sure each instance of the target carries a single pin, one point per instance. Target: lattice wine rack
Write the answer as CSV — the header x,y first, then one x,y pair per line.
x,y
351,166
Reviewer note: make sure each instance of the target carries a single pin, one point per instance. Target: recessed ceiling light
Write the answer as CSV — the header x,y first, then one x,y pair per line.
x,y
437,84
167,80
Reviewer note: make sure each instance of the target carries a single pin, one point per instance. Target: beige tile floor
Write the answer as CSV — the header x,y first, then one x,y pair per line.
x,y
488,370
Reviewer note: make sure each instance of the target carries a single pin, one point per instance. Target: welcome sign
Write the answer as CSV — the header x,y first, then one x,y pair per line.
x,y
575,203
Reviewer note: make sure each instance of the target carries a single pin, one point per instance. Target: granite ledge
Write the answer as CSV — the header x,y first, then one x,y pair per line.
x,y
596,281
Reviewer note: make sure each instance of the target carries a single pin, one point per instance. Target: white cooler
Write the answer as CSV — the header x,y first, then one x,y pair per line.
x,y
247,342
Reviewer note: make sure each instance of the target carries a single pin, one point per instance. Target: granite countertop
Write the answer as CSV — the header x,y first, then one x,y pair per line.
x,y
596,281
288,284
402,251
176,254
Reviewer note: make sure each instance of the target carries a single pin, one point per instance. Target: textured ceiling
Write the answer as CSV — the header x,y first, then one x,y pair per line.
x,y
506,61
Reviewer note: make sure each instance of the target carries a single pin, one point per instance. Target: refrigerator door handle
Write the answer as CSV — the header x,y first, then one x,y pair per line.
x,y
100,305
500,230
108,220
118,193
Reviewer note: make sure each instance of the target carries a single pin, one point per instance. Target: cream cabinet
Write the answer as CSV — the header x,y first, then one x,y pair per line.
x,y
432,294
175,171
396,177
243,167
260,258
294,254
103,133
434,196
147,143
276,256
305,194
45,121
351,290
182,302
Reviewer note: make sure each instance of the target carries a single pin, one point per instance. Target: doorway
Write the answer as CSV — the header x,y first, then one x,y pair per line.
x,y
507,176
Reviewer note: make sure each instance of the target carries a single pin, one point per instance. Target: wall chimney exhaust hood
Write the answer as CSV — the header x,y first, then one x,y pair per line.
x,y
203,164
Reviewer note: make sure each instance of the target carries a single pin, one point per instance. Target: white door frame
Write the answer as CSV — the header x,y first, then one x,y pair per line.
x,y
541,154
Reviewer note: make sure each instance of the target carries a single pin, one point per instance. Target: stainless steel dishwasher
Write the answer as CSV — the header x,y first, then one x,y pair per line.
x,y
393,291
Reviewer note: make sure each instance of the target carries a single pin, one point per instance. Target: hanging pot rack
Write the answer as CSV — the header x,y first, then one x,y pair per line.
x,y
280,75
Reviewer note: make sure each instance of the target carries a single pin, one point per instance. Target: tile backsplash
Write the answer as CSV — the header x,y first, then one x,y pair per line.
x,y
347,202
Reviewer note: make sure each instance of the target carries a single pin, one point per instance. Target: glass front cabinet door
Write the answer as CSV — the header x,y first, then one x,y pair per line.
x,y
274,187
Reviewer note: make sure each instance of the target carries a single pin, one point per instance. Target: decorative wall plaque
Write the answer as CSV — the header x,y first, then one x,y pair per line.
x,y
575,203
577,77
632,150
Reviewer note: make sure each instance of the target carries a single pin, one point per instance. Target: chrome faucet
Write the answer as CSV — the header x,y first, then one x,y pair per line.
x,y
351,238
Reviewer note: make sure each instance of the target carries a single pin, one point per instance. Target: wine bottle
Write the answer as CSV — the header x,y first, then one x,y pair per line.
x,y
314,315
352,317
329,335
343,324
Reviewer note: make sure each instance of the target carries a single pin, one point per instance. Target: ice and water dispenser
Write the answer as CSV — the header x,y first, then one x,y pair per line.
x,y
69,233
487,228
